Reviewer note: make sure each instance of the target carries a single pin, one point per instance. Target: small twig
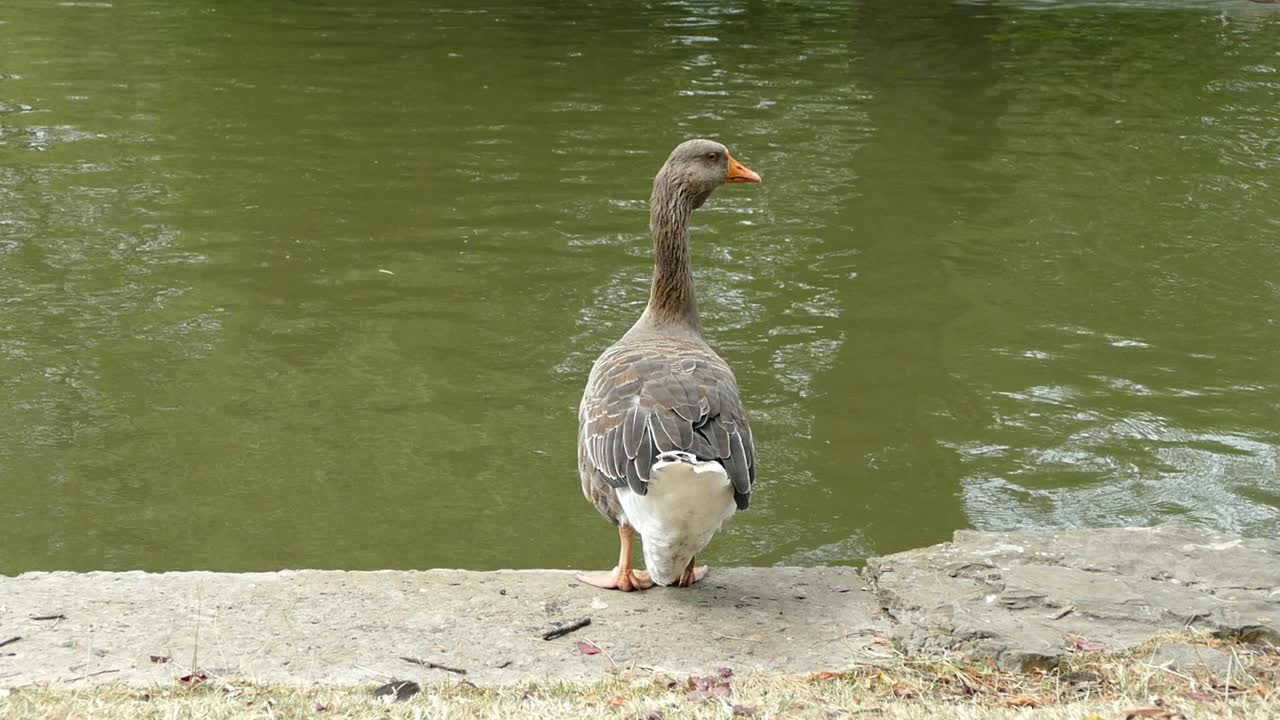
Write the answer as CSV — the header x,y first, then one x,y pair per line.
x,y
371,671
10,641
59,616
845,636
434,666
195,648
604,652
1062,613
100,672
566,629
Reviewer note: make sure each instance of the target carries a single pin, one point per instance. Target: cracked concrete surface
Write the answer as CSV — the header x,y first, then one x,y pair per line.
x,y
1022,599
354,627
1025,598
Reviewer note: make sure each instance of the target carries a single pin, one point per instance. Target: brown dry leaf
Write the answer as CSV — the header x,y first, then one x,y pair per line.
x,y
160,659
904,691
1020,702
617,702
705,688
826,675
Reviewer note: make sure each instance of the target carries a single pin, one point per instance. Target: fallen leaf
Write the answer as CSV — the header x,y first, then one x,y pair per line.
x,y
743,710
617,702
724,672
1192,695
825,675
839,589
587,648
1086,645
1020,702
528,694
322,708
193,678
703,688
653,715
160,659
903,691
397,690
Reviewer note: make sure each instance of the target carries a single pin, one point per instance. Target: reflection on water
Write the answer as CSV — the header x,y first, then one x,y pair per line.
x,y
319,286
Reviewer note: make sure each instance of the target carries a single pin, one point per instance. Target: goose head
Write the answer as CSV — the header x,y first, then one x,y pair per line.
x,y
697,167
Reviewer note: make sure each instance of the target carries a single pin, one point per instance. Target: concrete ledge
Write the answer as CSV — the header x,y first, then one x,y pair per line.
x,y
1021,599
328,627
1025,599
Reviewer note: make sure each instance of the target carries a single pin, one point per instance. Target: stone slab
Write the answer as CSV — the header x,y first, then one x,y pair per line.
x,y
1198,661
1026,599
323,627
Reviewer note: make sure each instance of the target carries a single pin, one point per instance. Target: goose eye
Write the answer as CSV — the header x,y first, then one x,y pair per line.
x,y
713,157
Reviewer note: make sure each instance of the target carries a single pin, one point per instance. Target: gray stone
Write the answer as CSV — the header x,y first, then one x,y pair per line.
x,y
1197,661
306,627
1025,599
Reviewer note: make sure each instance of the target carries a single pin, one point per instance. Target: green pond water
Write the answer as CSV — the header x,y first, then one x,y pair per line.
x,y
319,284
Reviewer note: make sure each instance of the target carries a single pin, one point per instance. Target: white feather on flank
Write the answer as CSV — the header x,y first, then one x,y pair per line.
x,y
686,504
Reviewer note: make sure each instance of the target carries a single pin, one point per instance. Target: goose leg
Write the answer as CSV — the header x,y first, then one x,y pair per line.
x,y
622,577
691,574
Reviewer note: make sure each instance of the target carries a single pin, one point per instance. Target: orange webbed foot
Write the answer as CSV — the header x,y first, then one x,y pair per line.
x,y
691,575
616,579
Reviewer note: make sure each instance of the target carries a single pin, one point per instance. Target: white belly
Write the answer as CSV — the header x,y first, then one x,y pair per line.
x,y
686,504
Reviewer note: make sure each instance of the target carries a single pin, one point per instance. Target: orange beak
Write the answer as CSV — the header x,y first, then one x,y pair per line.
x,y
739,173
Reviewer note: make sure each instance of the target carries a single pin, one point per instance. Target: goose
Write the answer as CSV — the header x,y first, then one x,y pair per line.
x,y
664,448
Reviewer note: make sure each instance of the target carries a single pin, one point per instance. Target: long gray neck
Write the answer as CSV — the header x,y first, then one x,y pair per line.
x,y
672,300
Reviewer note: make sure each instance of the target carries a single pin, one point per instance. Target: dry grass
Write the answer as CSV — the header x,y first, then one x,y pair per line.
x,y
1089,686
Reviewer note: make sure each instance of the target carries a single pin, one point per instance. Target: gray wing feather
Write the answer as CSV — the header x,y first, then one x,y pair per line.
x,y
644,461
658,431
617,455
633,427
642,400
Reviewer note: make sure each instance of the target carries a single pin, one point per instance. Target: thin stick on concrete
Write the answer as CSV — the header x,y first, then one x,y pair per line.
x,y
59,616
434,666
10,641
100,672
566,629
